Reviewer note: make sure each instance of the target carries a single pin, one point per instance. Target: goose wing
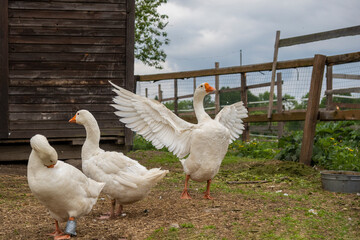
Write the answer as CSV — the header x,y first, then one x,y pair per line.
x,y
231,117
153,121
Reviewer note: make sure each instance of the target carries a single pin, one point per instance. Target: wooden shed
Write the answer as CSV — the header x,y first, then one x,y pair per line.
x,y
56,57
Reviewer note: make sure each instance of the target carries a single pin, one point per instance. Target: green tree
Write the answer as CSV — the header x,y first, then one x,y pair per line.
x,y
150,35
227,98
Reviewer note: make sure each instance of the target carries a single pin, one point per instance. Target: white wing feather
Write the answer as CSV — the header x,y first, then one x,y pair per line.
x,y
231,117
153,121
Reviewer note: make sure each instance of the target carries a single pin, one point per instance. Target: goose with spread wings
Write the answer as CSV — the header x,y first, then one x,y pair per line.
x,y
201,147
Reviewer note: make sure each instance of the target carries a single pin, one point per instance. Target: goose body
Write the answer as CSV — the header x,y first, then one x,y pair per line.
x,y
127,181
63,189
205,143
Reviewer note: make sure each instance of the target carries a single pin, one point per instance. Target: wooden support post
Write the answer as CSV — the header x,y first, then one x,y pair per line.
x,y
130,83
273,71
159,92
175,96
312,111
146,92
329,86
4,70
194,83
217,97
243,92
279,105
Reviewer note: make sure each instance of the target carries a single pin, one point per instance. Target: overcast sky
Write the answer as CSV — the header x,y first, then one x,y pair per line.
x,y
205,31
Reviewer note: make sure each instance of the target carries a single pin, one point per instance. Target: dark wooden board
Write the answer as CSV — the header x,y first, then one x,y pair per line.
x,y
65,74
61,48
88,66
24,108
50,22
64,82
70,14
66,57
53,5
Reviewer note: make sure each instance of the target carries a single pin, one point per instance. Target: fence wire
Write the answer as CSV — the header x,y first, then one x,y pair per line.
x,y
296,84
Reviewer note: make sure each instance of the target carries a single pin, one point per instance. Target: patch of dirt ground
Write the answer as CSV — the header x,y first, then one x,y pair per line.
x,y
233,214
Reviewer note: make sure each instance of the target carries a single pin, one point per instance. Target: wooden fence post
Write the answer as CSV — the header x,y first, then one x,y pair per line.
x,y
4,70
159,92
273,71
243,92
312,109
175,96
279,105
217,97
329,86
146,92
194,84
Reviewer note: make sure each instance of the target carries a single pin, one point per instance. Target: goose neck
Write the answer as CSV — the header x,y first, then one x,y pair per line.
x,y
91,144
199,108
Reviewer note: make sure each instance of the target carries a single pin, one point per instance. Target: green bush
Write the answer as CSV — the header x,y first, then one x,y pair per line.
x,y
336,146
253,149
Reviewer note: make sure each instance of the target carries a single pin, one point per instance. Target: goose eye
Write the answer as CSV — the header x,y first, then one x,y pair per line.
x,y
78,114
201,86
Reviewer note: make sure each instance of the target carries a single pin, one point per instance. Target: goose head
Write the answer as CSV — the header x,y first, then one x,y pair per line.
x,y
82,117
43,150
203,89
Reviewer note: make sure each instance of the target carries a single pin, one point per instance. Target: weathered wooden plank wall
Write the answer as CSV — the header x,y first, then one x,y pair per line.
x,y
61,56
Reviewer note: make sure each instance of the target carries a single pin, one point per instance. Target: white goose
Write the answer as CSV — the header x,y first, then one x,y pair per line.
x,y
126,180
62,188
206,142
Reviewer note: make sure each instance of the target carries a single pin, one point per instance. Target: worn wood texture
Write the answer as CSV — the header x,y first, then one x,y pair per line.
x,y
351,31
4,70
61,54
279,105
305,62
329,86
243,92
312,109
130,42
273,73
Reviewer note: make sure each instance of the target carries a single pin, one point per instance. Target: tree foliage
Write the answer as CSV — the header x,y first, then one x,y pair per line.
x,y
150,35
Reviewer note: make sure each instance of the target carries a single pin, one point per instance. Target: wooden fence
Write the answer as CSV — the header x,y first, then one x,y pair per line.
x,y
312,114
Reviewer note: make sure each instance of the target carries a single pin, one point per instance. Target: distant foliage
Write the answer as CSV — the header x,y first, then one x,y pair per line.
x,y
150,33
336,146
141,144
253,149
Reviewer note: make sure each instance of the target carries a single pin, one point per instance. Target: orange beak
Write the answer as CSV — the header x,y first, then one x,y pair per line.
x,y
73,120
51,166
209,88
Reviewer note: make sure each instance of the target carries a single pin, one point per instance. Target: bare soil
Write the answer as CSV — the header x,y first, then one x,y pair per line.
x,y
233,214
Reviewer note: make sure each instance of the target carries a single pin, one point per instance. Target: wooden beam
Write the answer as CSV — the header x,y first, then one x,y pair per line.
x,y
346,76
329,86
130,83
273,73
343,58
343,90
279,105
175,96
4,70
350,31
243,93
312,109
305,62
217,96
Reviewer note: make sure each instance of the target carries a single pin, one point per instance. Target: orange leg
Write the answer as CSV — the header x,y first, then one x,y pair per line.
x,y
185,194
66,236
119,211
112,210
57,231
207,192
